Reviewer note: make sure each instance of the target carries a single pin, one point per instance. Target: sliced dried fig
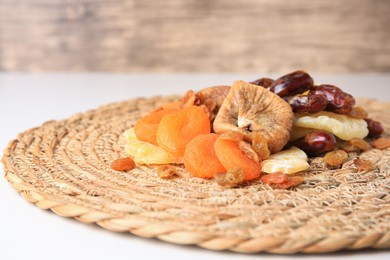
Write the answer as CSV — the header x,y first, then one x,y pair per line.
x,y
249,109
212,98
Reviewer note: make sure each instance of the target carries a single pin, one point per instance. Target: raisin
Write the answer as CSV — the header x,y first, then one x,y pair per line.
x,y
381,143
231,178
362,165
374,127
260,146
310,103
263,82
338,101
281,180
360,143
316,142
123,164
358,112
274,178
335,158
291,84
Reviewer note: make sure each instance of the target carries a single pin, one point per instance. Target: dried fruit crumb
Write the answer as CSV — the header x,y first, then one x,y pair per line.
x,y
166,171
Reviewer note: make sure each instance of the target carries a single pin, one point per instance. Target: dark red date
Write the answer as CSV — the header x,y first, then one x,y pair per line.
x,y
375,128
291,84
316,142
263,82
310,103
338,101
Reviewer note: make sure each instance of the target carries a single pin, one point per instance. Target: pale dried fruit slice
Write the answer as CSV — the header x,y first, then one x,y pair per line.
x,y
249,108
299,132
289,161
344,127
146,153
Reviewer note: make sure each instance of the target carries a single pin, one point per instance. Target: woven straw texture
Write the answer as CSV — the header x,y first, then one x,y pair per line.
x,y
65,166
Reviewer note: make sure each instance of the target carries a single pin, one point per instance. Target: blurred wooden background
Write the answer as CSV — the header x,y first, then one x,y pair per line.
x,y
195,35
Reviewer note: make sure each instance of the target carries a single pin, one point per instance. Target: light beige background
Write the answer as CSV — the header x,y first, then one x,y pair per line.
x,y
328,36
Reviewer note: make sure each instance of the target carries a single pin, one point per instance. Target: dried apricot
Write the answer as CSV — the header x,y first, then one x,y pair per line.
x,y
231,156
177,129
172,105
146,128
200,158
123,164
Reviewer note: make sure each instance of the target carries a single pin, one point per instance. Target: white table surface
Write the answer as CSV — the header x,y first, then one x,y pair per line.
x,y
28,100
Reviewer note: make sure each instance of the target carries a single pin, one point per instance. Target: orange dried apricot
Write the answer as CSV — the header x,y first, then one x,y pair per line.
x,y
123,164
231,156
172,105
146,127
200,158
177,129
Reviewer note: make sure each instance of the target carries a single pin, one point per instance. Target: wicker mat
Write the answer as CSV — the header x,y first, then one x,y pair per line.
x,y
65,166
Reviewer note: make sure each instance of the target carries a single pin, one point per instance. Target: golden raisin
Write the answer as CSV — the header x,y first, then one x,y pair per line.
x,y
381,143
280,180
335,158
232,136
358,113
355,145
123,164
274,178
231,178
166,171
260,146
363,165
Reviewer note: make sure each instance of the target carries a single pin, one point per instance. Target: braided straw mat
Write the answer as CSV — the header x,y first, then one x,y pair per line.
x,y
65,166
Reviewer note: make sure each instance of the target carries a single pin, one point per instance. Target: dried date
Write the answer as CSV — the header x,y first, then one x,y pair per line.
x,y
263,82
338,101
375,128
316,142
310,103
291,84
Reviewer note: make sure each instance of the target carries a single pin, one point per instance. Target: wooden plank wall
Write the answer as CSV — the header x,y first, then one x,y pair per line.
x,y
195,35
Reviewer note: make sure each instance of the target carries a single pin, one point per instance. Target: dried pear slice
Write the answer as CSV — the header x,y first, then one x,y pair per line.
x,y
146,153
344,127
289,161
249,108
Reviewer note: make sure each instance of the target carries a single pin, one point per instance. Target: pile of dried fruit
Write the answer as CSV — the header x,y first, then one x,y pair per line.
x,y
264,128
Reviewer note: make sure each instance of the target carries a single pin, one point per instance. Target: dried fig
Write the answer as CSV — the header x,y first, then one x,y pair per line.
x,y
249,108
212,98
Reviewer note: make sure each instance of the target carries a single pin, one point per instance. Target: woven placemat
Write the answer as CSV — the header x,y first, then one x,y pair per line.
x,y
65,166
